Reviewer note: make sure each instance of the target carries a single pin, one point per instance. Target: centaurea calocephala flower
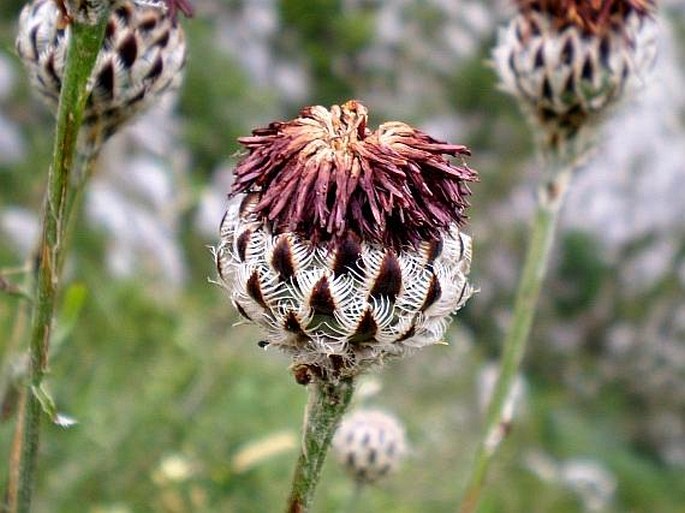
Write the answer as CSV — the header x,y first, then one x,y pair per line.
x,y
345,244
142,58
568,60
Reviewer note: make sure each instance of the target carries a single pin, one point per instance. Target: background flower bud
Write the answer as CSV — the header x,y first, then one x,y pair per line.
x,y
568,60
370,444
142,58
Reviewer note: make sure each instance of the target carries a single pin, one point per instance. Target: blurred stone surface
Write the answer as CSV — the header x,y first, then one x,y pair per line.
x,y
214,201
137,197
249,32
7,76
20,229
12,144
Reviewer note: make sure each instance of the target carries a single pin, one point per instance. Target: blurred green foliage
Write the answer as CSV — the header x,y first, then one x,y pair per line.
x,y
331,37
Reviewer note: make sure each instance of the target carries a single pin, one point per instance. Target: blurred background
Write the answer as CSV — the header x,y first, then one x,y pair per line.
x,y
179,410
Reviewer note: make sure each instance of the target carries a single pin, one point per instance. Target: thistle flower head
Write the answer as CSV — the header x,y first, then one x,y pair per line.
x,y
568,61
370,444
344,244
326,175
142,58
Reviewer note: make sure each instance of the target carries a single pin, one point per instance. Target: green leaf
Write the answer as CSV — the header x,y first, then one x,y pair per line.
x,y
47,404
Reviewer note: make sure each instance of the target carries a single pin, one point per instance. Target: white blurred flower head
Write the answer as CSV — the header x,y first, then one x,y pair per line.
x,y
370,444
593,484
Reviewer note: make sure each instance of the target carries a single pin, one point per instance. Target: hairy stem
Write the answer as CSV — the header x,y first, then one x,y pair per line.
x,y
327,404
550,199
84,45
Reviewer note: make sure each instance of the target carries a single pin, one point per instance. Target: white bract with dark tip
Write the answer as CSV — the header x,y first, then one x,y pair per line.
x,y
370,444
338,310
142,57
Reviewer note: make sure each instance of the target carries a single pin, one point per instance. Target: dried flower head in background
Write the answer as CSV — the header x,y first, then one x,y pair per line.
x,y
343,243
568,60
82,11
90,11
370,444
142,58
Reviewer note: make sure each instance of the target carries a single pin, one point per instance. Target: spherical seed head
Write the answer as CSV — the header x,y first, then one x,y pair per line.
x,y
142,58
370,444
345,244
567,61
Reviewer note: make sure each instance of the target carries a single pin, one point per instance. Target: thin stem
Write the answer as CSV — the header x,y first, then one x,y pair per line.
x,y
327,404
550,199
353,501
84,45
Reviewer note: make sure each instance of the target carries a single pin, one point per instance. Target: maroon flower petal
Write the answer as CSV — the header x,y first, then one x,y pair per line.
x,y
325,175
592,16
180,5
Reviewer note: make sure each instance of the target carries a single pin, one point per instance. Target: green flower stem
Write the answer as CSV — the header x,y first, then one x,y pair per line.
x,y
327,404
354,500
550,199
84,45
